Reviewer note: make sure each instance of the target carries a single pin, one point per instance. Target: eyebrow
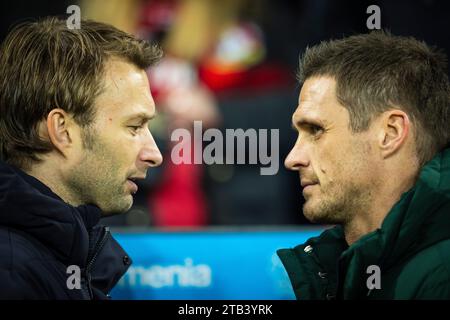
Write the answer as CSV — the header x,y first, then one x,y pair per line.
x,y
142,116
306,122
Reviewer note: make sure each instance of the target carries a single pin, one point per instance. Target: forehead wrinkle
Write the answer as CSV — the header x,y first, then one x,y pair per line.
x,y
306,111
114,83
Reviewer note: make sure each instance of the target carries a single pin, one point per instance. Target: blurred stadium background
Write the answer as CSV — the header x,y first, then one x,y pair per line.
x,y
211,231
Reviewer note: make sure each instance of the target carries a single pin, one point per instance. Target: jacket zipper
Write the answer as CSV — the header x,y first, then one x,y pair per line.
x,y
98,247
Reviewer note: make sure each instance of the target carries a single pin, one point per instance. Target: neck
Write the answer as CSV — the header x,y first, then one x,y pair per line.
x,y
371,216
48,175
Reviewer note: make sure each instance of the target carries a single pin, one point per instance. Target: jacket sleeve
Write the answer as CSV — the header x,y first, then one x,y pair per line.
x,y
16,285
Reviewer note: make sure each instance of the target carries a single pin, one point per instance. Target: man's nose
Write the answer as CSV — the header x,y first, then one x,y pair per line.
x,y
296,158
150,154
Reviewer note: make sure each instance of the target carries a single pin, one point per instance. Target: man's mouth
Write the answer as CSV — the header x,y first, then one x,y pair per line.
x,y
132,184
308,187
305,183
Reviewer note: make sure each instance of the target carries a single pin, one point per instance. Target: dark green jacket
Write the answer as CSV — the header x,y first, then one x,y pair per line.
x,y
412,249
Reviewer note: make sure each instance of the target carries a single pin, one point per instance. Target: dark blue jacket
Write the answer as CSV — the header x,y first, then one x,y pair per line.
x,y
41,236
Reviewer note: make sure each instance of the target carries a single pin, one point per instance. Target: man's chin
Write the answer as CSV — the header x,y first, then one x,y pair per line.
x,y
313,213
321,215
118,208
311,216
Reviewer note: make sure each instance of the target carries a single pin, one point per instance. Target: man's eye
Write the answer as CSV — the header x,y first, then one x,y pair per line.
x,y
315,130
135,128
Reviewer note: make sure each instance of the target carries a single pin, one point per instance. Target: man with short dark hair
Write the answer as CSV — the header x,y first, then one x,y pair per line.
x,y
74,138
373,157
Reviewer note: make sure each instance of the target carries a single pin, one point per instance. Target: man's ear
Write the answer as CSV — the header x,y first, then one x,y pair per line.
x,y
58,128
395,127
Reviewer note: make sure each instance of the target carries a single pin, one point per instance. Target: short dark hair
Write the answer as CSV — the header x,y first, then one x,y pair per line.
x,y
378,71
45,65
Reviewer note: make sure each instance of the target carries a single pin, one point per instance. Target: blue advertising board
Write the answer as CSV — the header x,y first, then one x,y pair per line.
x,y
207,264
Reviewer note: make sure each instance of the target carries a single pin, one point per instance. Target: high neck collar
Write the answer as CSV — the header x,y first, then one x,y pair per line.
x,y
28,205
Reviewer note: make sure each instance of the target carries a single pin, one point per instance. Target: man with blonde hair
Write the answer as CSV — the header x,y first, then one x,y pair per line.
x,y
74,138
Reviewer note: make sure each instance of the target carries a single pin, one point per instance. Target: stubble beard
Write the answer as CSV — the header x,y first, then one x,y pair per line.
x,y
337,204
94,181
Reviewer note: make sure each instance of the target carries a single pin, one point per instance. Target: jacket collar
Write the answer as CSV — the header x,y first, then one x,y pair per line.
x,y
418,220
26,204
312,267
